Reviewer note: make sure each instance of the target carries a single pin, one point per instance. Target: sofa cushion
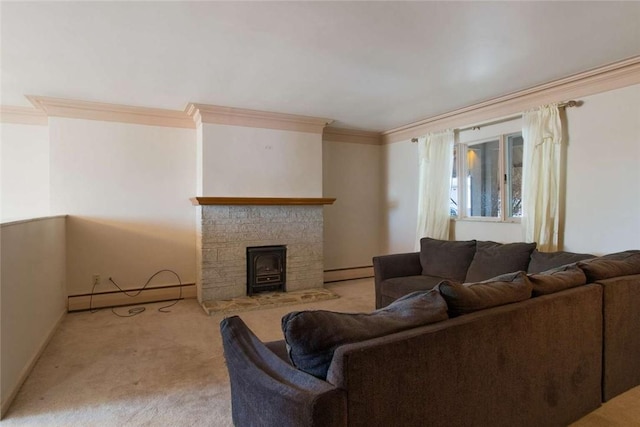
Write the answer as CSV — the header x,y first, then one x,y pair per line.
x,y
313,336
398,287
557,279
543,261
444,258
493,259
464,298
613,265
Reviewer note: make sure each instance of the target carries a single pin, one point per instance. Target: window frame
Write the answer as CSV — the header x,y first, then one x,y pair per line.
x,y
462,171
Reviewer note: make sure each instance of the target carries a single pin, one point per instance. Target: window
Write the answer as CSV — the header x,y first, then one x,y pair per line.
x,y
513,176
486,180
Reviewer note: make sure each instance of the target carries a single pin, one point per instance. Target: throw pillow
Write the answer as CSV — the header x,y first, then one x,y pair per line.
x,y
446,259
492,259
613,265
464,298
313,336
557,279
543,261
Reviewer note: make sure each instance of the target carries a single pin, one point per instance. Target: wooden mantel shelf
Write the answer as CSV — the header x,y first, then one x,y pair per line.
x,y
252,201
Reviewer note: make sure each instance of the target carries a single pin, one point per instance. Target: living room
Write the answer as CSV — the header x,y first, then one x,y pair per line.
x,y
105,143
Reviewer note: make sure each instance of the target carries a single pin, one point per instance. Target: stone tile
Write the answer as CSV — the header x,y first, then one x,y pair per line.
x,y
215,212
228,230
221,293
268,300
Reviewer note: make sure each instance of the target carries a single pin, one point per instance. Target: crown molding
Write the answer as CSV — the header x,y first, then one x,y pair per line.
x,y
602,79
214,114
58,107
350,135
23,116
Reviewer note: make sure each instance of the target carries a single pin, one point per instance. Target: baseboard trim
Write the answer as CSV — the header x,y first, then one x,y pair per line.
x,y
118,298
6,403
350,273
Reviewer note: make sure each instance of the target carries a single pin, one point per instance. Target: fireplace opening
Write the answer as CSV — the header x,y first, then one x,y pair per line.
x,y
266,268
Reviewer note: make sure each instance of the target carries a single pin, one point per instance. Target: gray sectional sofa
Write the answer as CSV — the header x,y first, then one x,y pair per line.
x,y
541,345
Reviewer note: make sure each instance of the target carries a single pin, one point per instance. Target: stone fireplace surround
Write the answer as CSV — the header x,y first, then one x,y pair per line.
x,y
226,226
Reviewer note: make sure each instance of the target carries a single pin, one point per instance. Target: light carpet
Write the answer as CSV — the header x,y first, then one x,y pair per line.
x,y
167,369
154,369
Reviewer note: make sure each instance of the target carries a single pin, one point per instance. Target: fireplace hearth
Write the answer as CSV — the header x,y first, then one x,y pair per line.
x,y
266,269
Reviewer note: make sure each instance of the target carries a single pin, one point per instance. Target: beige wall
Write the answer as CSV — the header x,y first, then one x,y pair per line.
x,y
352,225
126,189
33,295
400,196
239,161
602,182
24,180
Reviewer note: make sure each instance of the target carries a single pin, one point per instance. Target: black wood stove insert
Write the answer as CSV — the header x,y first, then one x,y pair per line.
x,y
266,268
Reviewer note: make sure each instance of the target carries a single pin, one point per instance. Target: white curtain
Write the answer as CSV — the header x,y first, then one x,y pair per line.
x,y
435,152
542,134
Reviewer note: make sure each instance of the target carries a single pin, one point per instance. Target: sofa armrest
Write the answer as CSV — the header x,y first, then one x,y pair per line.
x,y
267,391
395,265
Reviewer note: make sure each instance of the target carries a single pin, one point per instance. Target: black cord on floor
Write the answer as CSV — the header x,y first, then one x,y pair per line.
x,y
132,311
137,310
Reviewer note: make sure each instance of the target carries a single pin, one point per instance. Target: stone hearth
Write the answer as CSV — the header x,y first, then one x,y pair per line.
x,y
225,231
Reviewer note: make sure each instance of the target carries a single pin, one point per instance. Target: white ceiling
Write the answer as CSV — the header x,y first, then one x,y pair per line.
x,y
368,65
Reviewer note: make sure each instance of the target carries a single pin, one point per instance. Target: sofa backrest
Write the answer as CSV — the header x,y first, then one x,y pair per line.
x,y
507,365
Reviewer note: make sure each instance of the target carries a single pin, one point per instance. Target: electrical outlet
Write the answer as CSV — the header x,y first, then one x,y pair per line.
x,y
96,279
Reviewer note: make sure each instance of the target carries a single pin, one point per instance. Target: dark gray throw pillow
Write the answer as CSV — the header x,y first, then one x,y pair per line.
x,y
543,261
557,279
313,336
493,259
446,259
464,298
613,265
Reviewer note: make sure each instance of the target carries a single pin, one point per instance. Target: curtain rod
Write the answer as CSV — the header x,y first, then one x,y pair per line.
x,y
564,104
